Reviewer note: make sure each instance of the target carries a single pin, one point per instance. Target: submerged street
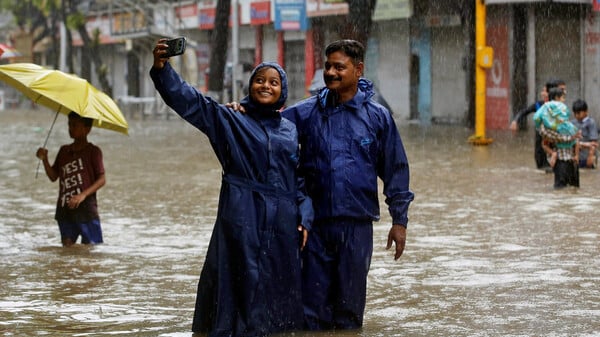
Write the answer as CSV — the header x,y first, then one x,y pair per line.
x,y
492,249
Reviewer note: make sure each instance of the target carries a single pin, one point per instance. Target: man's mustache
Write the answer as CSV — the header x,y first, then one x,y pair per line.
x,y
332,78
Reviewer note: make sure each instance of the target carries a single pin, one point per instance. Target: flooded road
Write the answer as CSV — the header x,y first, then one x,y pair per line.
x,y
492,249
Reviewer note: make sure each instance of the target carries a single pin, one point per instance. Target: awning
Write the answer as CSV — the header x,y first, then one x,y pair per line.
x,y
7,51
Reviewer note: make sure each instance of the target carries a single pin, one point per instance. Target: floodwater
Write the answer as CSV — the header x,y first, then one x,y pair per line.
x,y
492,249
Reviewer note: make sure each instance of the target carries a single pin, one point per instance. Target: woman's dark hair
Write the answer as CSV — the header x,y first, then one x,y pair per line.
x,y
579,105
354,49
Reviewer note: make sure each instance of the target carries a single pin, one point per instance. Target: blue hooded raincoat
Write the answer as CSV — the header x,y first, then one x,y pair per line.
x,y
250,281
344,149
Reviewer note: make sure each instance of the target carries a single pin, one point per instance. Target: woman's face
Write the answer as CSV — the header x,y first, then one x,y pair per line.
x,y
266,86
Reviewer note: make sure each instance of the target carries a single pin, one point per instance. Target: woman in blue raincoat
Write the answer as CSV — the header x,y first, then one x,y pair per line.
x,y
250,281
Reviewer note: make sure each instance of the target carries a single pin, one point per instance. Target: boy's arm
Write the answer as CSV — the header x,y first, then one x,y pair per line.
x,y
42,154
75,200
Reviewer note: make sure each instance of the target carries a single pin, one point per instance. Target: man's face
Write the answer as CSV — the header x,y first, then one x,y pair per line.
x,y
340,74
544,94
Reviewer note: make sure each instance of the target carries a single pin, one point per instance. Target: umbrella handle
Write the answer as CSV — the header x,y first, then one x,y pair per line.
x,y
46,142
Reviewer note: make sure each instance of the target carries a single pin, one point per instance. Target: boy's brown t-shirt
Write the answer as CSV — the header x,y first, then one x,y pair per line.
x,y
77,170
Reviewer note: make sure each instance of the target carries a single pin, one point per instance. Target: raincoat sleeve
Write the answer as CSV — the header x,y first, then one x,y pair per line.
x,y
393,170
520,117
201,111
306,213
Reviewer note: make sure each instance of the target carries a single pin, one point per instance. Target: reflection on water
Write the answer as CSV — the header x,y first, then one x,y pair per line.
x,y
492,250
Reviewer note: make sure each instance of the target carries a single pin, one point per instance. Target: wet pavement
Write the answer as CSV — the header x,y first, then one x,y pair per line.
x,y
492,249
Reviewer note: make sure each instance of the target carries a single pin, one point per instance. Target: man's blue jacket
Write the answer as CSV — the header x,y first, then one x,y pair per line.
x,y
344,149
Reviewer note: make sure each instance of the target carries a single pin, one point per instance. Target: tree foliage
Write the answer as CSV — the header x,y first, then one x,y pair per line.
x,y
42,19
30,16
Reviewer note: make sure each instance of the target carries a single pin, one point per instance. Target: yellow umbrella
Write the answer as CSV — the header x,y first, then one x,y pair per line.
x,y
64,93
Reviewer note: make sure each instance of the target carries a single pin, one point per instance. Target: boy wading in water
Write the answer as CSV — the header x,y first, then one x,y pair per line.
x,y
80,171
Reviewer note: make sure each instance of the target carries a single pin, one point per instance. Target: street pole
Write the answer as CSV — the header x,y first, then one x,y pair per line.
x,y
235,54
62,65
483,61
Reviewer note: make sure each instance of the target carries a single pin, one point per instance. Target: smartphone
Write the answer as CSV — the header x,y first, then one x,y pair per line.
x,y
176,46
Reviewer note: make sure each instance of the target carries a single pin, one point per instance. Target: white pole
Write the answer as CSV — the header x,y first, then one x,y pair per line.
x,y
63,47
532,91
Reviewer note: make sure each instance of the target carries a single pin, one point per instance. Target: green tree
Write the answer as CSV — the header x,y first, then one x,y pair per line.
x,y
90,52
42,18
32,17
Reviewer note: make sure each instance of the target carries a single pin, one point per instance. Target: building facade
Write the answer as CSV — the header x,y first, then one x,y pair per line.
x,y
420,54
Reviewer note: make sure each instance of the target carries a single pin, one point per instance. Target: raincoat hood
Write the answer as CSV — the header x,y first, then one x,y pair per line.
x,y
268,110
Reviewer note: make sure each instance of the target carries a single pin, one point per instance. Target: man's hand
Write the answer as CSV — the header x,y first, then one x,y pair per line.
x,y
514,127
159,50
236,106
304,237
398,235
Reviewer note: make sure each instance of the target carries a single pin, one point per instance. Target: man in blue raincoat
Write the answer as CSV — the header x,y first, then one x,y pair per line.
x,y
347,141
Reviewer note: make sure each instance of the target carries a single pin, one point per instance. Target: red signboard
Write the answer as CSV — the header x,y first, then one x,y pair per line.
x,y
497,101
260,13
207,17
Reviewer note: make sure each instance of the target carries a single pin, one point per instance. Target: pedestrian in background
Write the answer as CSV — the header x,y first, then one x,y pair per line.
x,y
554,115
250,282
589,134
554,126
518,123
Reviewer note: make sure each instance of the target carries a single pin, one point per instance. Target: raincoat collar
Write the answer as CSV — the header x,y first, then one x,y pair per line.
x,y
364,93
260,111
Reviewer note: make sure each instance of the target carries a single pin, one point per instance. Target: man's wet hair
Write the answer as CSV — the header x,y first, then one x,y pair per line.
x,y
354,49
86,121
579,105
553,83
